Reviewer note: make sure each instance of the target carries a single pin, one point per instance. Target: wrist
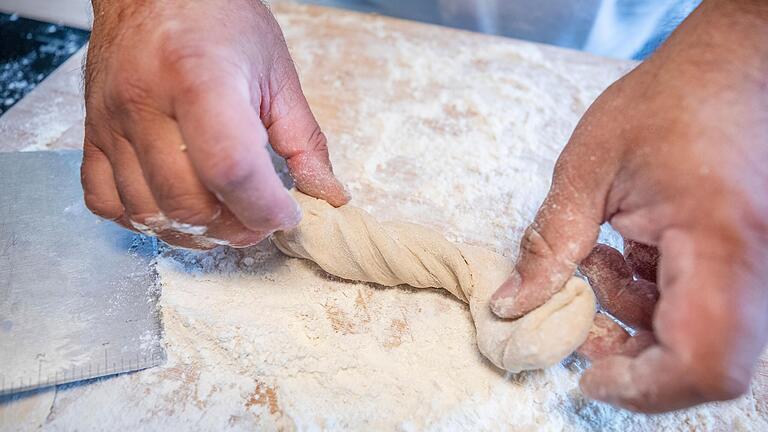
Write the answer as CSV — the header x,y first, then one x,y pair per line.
x,y
105,8
740,31
109,14
721,40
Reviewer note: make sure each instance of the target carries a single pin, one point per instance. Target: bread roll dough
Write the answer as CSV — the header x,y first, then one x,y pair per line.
x,y
349,243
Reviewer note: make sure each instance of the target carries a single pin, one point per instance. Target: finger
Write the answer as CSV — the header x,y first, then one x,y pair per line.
x,y
188,207
606,337
643,259
631,301
296,136
654,381
709,323
226,145
129,180
638,343
562,234
168,172
141,211
99,189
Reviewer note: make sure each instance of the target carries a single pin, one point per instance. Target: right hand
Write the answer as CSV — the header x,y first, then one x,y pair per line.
x,y
181,100
674,155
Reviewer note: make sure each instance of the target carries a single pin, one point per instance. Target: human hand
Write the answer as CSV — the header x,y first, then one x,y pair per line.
x,y
674,155
181,99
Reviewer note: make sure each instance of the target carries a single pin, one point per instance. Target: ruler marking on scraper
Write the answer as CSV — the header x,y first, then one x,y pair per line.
x,y
71,284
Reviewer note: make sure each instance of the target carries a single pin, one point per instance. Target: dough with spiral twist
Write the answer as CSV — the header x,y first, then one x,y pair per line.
x,y
349,243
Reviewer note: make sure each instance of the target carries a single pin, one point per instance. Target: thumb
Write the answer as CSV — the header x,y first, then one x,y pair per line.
x,y
562,234
296,136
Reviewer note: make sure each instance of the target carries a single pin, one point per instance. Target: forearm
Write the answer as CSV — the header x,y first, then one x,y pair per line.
x,y
741,25
103,6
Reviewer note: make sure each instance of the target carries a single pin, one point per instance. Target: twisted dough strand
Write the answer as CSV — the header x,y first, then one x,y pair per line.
x,y
349,243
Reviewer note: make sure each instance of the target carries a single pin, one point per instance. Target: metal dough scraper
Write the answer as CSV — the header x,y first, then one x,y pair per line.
x,y
78,295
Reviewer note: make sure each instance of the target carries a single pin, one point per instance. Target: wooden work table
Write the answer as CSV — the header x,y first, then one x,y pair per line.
x,y
451,129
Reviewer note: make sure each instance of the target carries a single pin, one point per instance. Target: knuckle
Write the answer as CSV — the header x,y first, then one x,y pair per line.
x,y
126,94
535,245
90,129
96,130
192,87
540,258
606,265
318,142
180,48
315,148
603,257
187,64
90,150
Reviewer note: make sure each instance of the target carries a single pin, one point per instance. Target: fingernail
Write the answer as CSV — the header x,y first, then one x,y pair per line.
x,y
341,196
504,300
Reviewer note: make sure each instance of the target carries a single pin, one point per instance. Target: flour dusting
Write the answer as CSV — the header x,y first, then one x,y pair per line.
x,y
258,340
455,131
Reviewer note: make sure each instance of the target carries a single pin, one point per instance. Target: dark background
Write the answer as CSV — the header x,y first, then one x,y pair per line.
x,y
30,50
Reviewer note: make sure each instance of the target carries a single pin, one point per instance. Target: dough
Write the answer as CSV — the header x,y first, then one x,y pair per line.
x,y
349,243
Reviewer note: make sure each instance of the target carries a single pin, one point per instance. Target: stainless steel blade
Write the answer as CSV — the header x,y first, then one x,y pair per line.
x,y
78,295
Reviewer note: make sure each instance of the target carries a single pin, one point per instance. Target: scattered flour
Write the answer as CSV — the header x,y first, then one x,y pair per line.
x,y
278,344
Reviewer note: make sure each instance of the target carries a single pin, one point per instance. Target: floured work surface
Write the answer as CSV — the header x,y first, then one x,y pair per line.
x,y
452,130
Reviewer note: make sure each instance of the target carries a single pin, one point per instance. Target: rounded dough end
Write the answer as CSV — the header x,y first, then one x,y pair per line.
x,y
550,333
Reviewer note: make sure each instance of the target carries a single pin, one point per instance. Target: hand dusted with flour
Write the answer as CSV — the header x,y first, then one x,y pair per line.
x,y
349,243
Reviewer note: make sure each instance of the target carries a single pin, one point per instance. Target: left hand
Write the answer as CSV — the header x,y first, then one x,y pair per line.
x,y
182,99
